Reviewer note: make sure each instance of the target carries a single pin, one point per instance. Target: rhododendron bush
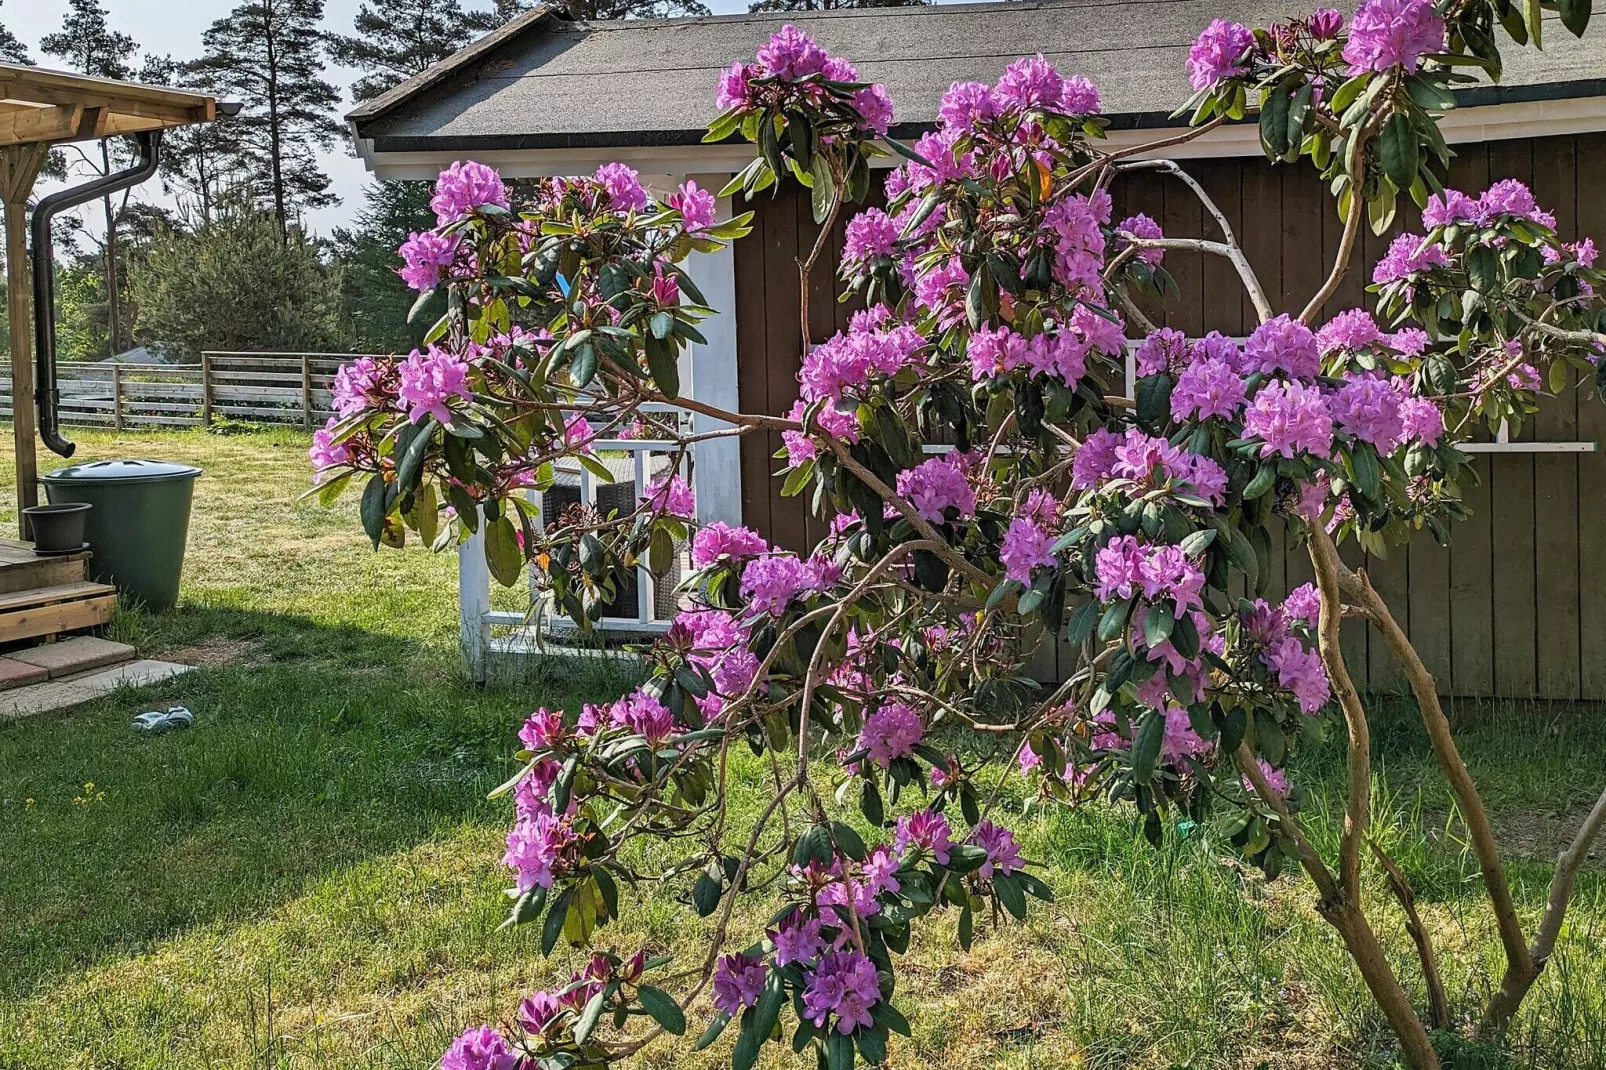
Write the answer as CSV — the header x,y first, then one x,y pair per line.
x,y
991,485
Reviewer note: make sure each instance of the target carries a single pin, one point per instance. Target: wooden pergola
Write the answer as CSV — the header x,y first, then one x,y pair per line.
x,y
40,108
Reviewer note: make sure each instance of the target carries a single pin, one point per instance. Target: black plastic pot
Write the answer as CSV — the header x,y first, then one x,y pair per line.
x,y
58,529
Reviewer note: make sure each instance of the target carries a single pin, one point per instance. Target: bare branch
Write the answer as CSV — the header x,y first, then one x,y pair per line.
x,y
1438,1002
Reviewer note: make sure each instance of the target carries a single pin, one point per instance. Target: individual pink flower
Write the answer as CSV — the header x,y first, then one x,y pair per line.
x,y
891,733
1421,420
738,981
734,90
1291,418
1276,779
1218,53
540,1012
325,453
1079,97
1300,671
535,846
1392,33
797,939
429,380
542,730
466,187
425,257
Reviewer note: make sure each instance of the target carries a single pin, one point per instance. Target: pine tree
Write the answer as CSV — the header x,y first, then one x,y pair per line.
x,y
268,54
198,163
91,46
375,301
397,39
11,49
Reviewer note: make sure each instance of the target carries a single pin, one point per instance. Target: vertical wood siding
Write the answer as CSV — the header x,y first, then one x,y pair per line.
x,y
1511,608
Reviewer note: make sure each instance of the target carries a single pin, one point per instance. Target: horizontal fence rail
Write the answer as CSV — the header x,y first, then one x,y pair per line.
x,y
277,388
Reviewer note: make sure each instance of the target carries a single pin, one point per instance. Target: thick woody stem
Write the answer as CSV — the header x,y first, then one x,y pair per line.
x,y
1346,917
1520,961
1357,808
1438,1002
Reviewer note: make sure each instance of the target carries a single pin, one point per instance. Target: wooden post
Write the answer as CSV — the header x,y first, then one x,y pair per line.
x,y
306,391
19,165
117,396
206,389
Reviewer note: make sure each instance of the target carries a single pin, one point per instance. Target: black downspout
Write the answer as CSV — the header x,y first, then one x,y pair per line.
x,y
47,396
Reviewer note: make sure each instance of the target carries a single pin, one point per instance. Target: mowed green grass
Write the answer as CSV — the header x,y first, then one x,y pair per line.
x,y
310,878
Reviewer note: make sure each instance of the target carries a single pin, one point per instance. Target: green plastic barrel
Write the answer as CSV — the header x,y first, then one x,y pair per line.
x,y
139,523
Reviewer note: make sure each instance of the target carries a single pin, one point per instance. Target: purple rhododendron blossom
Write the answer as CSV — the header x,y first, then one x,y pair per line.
x,y
1276,779
738,980
1421,420
844,984
1283,345
875,109
1141,226
534,847
1407,255
771,583
1207,388
1025,546
891,732
645,715
719,539
1369,409
1291,418
1217,54
623,186
938,485
926,830
1324,23
1450,208
1351,329
1392,33
1003,854
425,258
791,54
1300,671
1163,351
673,495
1510,197
465,187
324,452
734,89
797,940
1304,603
540,1012
697,207
968,104
542,730
430,380
480,1048
869,234
1080,97
1030,82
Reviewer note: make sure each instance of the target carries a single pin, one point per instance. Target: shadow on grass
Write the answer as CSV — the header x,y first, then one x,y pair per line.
x,y
327,746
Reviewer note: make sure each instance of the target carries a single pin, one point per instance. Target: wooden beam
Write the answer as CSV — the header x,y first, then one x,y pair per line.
x,y
21,123
19,166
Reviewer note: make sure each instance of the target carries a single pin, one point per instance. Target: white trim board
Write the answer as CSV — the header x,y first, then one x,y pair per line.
x,y
1490,122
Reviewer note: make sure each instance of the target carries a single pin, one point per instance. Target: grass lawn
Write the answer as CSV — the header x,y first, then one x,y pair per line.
x,y
309,877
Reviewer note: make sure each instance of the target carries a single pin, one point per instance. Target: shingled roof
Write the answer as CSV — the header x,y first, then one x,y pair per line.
x,y
543,82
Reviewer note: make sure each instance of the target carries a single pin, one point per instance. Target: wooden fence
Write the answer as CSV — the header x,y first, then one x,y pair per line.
x,y
280,388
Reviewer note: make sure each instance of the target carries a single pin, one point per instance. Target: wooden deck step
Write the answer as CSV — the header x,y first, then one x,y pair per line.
x,y
58,608
23,570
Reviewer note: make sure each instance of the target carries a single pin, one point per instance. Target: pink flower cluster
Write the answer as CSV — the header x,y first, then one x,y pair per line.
x,y
1026,546
1126,567
846,361
1290,418
869,234
697,207
429,381
1300,671
791,55
480,1048
1206,388
1003,853
738,981
891,732
672,495
1283,344
1218,53
425,257
1507,197
1078,224
844,984
1369,409
1392,33
1062,355
466,187
772,581
938,485
623,186
1141,226
537,847
325,453
1104,455
834,422
1407,255
924,830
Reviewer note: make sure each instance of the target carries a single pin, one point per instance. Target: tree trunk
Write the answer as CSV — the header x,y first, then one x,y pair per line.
x,y
274,159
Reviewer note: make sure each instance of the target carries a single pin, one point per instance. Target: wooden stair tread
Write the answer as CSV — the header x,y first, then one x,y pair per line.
x,y
64,592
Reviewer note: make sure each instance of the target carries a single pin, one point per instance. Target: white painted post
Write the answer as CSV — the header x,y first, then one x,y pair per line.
x,y
473,602
717,464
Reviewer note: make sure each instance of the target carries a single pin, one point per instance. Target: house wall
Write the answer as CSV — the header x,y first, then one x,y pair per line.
x,y
1513,607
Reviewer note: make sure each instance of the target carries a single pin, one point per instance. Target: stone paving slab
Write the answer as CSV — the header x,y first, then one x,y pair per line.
x,y
60,694
78,654
14,673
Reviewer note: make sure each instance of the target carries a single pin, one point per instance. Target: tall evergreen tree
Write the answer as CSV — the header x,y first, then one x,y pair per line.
x,y
397,39
91,46
268,54
375,302
198,163
11,49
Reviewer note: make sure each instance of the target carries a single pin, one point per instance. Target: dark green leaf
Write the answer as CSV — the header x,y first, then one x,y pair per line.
x,y
1574,15
374,507
553,928
662,1008
1010,895
502,554
1146,747
1397,146
711,1034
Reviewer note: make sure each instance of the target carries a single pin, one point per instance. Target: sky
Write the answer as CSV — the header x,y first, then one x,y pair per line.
x,y
174,27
